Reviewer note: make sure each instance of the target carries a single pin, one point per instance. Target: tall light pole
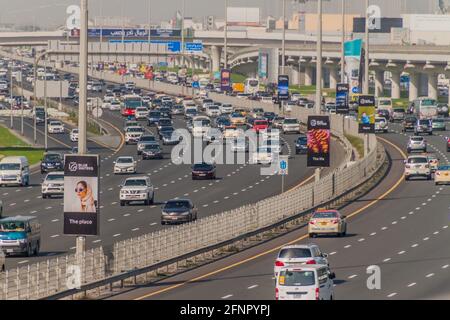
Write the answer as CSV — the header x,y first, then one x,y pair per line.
x,y
45,106
11,85
366,56
149,13
343,43
283,42
319,59
183,7
82,113
225,47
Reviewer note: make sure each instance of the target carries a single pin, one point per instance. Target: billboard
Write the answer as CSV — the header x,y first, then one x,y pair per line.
x,y
283,87
81,195
386,24
352,57
318,141
263,61
225,80
342,92
129,33
241,16
54,89
366,114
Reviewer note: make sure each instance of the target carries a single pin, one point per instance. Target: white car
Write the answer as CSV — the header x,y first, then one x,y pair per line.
x,y
125,165
226,109
290,125
262,156
417,166
137,189
305,282
133,134
141,113
213,111
53,185
299,254
381,124
55,127
114,105
74,135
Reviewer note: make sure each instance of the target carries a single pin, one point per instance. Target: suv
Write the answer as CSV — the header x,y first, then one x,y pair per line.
x,y
52,162
417,166
290,125
398,114
144,140
133,134
53,185
409,123
299,254
423,126
137,189
416,143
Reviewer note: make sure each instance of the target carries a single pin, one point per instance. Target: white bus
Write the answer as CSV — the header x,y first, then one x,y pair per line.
x,y
251,86
424,108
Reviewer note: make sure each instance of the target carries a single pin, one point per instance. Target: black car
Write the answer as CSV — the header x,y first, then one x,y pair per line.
x,y
203,171
166,131
178,211
409,123
152,151
269,116
153,118
52,162
301,145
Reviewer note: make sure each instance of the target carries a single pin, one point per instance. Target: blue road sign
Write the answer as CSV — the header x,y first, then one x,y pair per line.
x,y
195,84
283,165
174,46
193,47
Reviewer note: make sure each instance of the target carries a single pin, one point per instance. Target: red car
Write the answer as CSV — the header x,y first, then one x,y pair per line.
x,y
203,171
260,125
448,144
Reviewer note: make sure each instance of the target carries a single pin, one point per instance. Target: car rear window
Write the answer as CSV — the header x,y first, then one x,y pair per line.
x,y
296,278
418,160
325,215
294,253
417,139
176,205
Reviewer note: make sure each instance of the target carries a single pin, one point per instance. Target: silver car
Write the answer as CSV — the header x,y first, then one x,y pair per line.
x,y
416,143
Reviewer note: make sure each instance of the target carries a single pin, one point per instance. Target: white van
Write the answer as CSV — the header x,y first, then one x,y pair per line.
x,y
312,282
200,126
14,171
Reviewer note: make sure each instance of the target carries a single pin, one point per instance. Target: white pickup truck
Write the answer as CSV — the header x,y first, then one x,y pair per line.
x,y
137,189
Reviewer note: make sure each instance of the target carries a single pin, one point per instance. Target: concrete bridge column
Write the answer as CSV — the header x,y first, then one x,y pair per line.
x,y
379,83
334,76
395,89
309,75
216,52
413,85
433,85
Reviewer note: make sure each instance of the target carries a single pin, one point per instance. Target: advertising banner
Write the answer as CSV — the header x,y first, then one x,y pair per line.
x,y
318,141
225,80
366,114
352,56
283,87
81,195
263,65
342,98
132,33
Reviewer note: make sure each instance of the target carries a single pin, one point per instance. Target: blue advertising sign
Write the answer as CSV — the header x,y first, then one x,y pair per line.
x,y
263,65
342,97
283,87
134,33
193,47
174,46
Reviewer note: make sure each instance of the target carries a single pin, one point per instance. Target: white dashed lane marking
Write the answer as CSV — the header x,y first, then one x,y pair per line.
x,y
392,294
252,287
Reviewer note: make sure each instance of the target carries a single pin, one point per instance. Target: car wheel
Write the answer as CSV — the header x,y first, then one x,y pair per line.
x,y
408,150
29,252
152,200
44,196
122,203
163,223
429,177
311,235
406,178
37,248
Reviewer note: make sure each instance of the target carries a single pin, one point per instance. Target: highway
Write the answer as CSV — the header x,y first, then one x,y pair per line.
x,y
402,227
235,185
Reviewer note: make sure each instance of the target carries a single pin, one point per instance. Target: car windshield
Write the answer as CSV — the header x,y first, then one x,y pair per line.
x,y
202,166
124,160
155,114
9,166
214,108
438,120
290,253
290,121
147,138
54,177
55,123
302,139
166,129
417,139
12,227
418,160
141,109
384,103
135,130
75,131
325,215
52,157
260,123
165,121
236,115
379,120
424,122
399,110
135,183
296,278
151,147
170,205
428,103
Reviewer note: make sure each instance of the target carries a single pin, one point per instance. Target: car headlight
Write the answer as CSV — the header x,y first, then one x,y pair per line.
x,y
185,213
22,240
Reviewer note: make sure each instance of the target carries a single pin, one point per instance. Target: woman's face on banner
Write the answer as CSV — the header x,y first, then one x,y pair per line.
x,y
81,190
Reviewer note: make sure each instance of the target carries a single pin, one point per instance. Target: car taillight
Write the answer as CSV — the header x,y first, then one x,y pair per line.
x,y
277,294
279,263
312,222
311,262
335,221
437,173
317,293
408,166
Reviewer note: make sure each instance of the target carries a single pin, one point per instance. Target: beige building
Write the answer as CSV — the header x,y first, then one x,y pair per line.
x,y
331,23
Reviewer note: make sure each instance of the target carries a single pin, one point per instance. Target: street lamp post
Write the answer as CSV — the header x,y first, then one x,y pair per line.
x,y
319,59
225,47
45,106
343,43
11,98
283,45
182,33
82,113
366,57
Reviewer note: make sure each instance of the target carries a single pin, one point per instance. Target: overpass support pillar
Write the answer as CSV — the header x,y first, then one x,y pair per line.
x,y
309,76
433,85
395,89
413,86
215,56
333,78
379,83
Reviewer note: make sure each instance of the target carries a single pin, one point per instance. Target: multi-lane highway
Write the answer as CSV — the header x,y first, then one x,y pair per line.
x,y
235,185
401,227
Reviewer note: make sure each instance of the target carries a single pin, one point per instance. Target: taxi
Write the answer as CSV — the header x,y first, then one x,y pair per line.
x,y
433,161
237,118
327,222
442,175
